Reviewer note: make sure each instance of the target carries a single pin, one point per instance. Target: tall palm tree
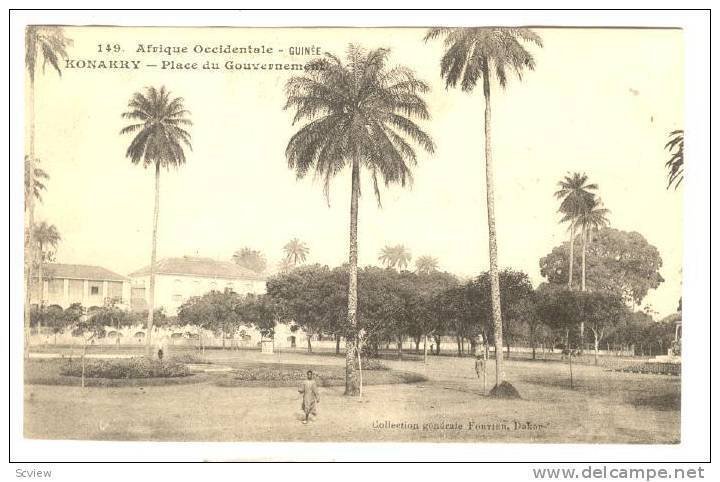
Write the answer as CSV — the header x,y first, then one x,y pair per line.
x,y
675,165
296,251
477,53
575,194
45,236
395,256
591,219
159,141
51,44
360,113
426,264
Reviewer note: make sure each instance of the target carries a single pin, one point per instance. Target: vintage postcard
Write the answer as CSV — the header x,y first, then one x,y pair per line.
x,y
400,234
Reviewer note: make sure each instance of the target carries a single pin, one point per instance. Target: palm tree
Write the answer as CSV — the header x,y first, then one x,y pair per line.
x,y
471,54
50,43
591,219
395,256
45,236
159,142
296,251
250,258
426,264
35,178
675,165
360,114
285,265
575,194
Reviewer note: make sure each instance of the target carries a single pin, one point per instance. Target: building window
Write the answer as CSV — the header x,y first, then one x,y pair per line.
x,y
177,290
94,290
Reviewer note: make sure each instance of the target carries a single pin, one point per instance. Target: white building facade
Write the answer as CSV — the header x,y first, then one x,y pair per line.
x,y
178,279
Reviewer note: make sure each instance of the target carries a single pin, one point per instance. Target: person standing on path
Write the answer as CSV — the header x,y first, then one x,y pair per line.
x,y
311,398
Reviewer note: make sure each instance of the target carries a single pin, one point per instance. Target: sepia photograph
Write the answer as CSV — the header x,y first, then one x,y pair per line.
x,y
418,235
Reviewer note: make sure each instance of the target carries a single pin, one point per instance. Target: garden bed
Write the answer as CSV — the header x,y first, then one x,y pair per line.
x,y
106,373
289,375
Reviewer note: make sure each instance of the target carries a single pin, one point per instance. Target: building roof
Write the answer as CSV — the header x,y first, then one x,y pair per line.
x,y
80,271
203,267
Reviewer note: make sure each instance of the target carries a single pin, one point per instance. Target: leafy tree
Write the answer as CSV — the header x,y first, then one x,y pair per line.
x,y
426,264
675,165
601,312
160,140
516,298
296,251
260,311
576,195
84,323
557,308
110,315
425,317
249,258
215,310
311,297
660,335
472,54
383,306
360,113
50,43
396,256
54,318
619,262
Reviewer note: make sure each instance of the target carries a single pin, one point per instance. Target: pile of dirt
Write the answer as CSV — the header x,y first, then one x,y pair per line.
x,y
504,390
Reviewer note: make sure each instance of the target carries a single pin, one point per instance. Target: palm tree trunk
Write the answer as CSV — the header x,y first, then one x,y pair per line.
x,y
41,288
582,286
351,383
492,239
584,247
151,295
30,211
572,254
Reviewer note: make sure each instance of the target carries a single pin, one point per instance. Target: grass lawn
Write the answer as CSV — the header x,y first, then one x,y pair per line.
x,y
603,407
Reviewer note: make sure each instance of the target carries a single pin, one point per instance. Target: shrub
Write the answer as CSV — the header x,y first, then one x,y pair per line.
x,y
187,358
283,374
137,367
371,364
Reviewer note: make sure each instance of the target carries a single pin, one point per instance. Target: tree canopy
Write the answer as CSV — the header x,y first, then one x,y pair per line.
x,y
619,262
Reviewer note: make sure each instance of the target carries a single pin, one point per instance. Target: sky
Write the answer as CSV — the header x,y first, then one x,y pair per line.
x,y
600,101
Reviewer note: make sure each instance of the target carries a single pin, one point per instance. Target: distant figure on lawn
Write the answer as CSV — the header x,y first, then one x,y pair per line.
x,y
311,398
161,348
479,365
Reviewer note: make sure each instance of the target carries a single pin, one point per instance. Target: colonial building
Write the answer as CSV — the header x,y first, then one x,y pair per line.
x,y
177,279
65,284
